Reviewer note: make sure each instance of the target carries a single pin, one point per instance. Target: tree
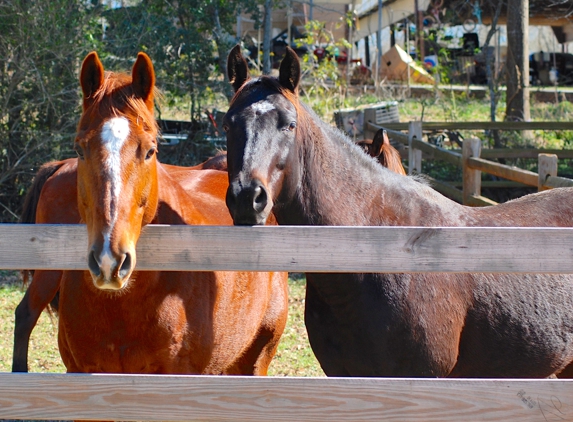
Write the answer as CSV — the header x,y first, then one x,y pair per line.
x,y
267,37
41,45
495,7
517,100
188,40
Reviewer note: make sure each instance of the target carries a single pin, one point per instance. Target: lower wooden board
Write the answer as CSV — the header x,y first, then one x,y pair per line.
x,y
213,398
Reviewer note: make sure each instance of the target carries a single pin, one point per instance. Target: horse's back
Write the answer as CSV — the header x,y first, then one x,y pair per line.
x,y
207,190
57,203
550,208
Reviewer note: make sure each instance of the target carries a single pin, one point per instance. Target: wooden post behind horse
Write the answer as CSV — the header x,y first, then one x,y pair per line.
x,y
283,158
115,319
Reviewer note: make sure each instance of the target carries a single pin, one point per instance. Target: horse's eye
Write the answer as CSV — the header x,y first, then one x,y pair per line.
x,y
79,150
226,128
291,126
150,153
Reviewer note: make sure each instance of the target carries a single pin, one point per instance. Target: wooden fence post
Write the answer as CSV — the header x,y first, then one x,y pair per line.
x,y
414,155
471,178
547,166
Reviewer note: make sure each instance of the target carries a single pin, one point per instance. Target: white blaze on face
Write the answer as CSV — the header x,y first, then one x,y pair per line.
x,y
259,108
262,107
114,133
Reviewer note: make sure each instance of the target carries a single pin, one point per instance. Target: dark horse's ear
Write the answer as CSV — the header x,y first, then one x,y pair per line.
x,y
91,77
237,68
375,148
289,72
143,79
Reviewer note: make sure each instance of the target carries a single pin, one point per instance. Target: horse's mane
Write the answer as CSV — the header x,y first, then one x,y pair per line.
x,y
390,157
116,96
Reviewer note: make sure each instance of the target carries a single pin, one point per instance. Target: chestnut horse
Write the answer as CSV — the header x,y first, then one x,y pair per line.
x,y
283,158
115,319
57,204
380,148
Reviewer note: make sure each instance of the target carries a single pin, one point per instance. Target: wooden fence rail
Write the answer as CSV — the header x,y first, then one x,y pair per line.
x,y
472,160
304,248
212,398
487,126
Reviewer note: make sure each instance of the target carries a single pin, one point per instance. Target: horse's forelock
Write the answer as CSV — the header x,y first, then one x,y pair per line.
x,y
116,97
272,83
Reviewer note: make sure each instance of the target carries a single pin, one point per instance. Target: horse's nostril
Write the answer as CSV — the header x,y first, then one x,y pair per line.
x,y
259,199
93,264
125,268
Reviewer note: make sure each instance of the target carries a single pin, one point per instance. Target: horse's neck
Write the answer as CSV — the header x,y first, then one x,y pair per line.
x,y
343,186
175,204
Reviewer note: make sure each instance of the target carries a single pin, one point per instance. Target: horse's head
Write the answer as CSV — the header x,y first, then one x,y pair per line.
x,y
381,149
261,128
117,166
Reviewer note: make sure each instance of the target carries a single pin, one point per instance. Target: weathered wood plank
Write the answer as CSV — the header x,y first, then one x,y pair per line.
x,y
212,398
480,201
524,153
291,248
471,177
445,189
438,153
501,170
563,125
558,182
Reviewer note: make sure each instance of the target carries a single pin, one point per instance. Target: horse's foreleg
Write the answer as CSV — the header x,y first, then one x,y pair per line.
x,y
40,293
260,353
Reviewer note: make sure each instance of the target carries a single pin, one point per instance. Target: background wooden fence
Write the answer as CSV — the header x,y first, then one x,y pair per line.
x,y
386,249
473,160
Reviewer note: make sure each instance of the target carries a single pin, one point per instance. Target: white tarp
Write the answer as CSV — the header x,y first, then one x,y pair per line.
x,y
392,12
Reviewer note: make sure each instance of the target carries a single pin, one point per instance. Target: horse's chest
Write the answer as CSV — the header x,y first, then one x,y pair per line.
x,y
144,335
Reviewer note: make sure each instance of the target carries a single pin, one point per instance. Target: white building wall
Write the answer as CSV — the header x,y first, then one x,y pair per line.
x,y
541,38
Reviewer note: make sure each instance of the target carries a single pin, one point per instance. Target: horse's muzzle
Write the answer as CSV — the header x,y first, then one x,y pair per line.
x,y
249,204
110,271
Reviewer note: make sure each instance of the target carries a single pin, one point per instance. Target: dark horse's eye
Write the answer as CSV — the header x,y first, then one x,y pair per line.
x,y
291,126
78,149
150,153
225,128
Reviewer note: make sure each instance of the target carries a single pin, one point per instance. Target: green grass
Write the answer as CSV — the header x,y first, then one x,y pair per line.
x,y
294,357
43,355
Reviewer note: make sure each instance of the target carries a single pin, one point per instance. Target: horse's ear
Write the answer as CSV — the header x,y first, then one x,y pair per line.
x,y
91,77
375,148
143,79
237,68
289,72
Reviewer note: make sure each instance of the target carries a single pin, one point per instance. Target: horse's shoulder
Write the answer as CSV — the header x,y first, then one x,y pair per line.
x,y
198,196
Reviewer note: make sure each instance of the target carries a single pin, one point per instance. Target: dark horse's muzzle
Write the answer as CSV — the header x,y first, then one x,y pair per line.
x,y
248,203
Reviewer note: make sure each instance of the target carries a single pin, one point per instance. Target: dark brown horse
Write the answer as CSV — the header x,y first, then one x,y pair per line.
x,y
283,158
115,319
